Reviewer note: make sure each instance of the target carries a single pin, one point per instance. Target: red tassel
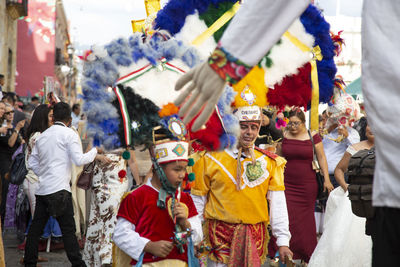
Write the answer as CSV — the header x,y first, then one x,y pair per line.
x,y
122,174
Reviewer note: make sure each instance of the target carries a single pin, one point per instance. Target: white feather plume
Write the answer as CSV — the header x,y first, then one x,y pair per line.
x,y
286,57
193,28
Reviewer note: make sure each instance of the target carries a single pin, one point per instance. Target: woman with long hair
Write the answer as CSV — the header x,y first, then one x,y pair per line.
x,y
42,119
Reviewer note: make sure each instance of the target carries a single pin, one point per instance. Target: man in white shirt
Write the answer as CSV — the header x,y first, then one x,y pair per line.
x,y
54,152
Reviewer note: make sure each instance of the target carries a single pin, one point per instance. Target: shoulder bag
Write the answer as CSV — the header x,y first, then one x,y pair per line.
x,y
85,178
318,174
18,169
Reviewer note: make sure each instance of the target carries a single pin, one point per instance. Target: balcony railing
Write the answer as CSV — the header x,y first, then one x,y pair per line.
x,y
17,8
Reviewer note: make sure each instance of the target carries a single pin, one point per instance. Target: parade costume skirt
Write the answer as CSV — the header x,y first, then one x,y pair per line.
x,y
107,191
236,244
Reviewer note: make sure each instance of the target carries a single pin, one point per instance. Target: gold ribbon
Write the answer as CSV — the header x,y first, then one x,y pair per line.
x,y
137,25
152,7
216,25
317,55
314,118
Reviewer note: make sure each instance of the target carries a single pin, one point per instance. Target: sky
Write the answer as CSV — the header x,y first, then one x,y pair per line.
x,y
101,21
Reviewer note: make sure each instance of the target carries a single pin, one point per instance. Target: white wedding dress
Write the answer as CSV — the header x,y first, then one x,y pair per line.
x,y
343,242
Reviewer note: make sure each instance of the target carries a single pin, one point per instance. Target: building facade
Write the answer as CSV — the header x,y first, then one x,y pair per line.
x,y
43,42
10,12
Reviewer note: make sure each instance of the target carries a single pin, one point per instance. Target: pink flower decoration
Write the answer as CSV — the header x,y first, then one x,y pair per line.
x,y
241,71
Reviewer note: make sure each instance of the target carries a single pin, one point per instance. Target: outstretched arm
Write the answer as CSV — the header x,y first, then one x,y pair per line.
x,y
253,31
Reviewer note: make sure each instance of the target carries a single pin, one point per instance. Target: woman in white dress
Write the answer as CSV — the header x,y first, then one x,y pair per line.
x,y
109,184
344,242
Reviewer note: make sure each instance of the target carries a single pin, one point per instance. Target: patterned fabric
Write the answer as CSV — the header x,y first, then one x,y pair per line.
x,y
237,244
216,179
228,67
9,220
107,190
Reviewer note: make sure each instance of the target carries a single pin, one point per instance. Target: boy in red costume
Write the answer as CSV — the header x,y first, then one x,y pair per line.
x,y
145,227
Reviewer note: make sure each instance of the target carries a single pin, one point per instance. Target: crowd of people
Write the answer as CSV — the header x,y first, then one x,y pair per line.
x,y
54,147
246,203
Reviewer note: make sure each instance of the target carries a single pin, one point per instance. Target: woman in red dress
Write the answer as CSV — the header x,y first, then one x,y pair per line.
x,y
301,184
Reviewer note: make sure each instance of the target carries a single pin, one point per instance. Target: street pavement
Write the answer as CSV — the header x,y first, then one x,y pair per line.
x,y
56,258
13,254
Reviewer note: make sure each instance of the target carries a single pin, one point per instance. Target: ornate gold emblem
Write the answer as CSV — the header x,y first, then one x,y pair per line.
x,y
253,172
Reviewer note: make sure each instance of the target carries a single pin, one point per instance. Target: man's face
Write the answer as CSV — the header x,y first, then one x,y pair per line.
x,y
2,81
248,133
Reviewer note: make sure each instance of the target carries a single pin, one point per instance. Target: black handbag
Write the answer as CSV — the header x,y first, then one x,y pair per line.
x,y
85,178
18,169
321,195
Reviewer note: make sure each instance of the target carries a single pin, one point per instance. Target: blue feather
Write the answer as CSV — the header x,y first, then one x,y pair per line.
x,y
315,24
173,15
98,75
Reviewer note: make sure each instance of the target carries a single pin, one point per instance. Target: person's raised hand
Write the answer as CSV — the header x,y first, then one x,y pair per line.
x,y
160,248
343,131
205,87
20,125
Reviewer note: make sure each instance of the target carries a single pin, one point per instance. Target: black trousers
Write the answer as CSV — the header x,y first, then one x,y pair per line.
x,y
58,205
386,237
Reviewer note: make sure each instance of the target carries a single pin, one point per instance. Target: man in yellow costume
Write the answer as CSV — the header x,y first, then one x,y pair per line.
x,y
239,192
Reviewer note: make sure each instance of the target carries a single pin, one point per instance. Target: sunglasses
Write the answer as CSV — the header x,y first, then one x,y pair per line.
x,y
9,112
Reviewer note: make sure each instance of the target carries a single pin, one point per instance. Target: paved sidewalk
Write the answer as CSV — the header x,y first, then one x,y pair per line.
x,y
56,258
13,254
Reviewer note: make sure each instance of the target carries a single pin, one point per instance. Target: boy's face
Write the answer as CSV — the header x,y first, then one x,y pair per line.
x,y
175,172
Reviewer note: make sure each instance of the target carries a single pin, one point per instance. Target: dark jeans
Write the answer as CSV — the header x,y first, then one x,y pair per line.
x,y
58,205
386,237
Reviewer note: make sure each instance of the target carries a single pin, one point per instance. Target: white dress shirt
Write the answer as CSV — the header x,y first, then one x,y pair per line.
x,y
127,239
52,156
334,151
